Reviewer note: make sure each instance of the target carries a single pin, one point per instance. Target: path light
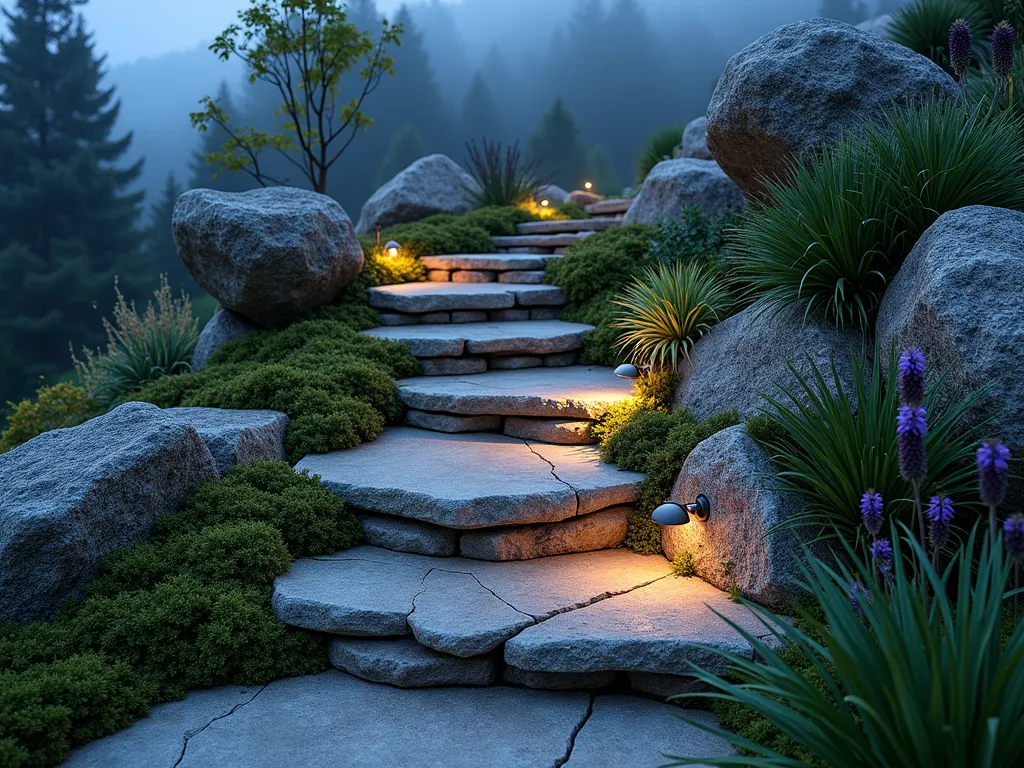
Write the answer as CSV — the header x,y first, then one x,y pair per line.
x,y
545,203
627,371
675,514
392,248
588,185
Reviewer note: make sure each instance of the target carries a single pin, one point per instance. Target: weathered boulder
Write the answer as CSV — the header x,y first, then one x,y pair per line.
x,y
958,298
672,184
223,327
695,139
790,91
584,198
750,352
433,184
237,437
733,547
880,26
553,193
269,254
71,495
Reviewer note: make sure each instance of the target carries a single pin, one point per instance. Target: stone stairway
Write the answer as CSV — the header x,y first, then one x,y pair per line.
x,y
492,525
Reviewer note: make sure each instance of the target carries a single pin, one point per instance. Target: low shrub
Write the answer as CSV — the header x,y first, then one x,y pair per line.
x,y
56,406
658,147
188,609
469,233
694,236
502,177
652,391
570,209
683,565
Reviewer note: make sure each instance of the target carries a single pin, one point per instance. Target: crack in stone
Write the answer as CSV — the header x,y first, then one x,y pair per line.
x,y
575,733
554,474
189,735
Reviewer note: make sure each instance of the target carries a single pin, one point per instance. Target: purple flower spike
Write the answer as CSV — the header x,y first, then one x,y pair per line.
x,y
911,427
911,368
872,510
1013,536
940,514
859,594
881,556
960,41
992,469
1003,38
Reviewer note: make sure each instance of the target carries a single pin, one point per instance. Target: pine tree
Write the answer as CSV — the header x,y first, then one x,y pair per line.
x,y
480,117
69,225
556,147
406,148
205,176
160,246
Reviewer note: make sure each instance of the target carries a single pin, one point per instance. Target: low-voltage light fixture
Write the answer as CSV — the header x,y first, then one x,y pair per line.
x,y
588,185
671,513
392,248
545,203
627,371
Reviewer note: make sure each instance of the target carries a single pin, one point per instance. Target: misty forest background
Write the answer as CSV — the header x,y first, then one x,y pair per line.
x,y
579,83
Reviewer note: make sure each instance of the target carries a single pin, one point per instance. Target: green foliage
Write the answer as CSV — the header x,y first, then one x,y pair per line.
x,y
556,147
840,228
658,147
61,405
693,236
654,390
766,431
302,48
337,386
140,350
570,209
902,680
683,565
469,233
406,147
664,312
836,444
188,609
923,26
502,178
382,268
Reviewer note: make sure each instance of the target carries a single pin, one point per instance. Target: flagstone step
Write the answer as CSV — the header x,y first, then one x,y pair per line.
x,y
519,337
539,241
566,227
469,481
606,611
430,297
575,392
609,207
405,663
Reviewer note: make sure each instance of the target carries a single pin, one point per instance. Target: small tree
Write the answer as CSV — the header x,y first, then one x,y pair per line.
x,y
303,48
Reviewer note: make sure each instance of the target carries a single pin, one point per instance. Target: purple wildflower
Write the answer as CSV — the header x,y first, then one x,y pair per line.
x,y
1003,38
1013,536
911,368
859,594
871,511
960,41
992,468
881,556
911,427
940,515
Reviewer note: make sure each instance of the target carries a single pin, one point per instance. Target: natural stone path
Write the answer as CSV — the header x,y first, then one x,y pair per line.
x,y
333,719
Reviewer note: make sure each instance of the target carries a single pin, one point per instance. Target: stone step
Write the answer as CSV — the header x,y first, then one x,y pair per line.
x,y
565,227
606,611
405,663
575,392
608,207
496,262
431,297
523,337
539,241
469,481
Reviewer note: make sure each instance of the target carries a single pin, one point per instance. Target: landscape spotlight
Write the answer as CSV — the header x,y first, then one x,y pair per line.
x,y
588,185
545,203
676,514
392,248
627,371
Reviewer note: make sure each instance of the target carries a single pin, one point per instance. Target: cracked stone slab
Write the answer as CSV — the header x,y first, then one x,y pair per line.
x,y
408,664
158,740
456,614
626,730
657,628
496,262
599,530
557,431
445,297
581,392
403,535
332,719
472,480
450,422
372,591
522,337
556,681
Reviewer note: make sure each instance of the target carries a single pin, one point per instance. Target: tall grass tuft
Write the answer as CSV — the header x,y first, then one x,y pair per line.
x,y
923,26
502,175
140,348
658,147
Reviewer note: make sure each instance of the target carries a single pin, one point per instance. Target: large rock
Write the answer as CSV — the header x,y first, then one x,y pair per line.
x,y
732,548
553,193
69,496
695,139
225,326
747,354
672,184
790,91
269,254
237,437
958,298
433,184
880,26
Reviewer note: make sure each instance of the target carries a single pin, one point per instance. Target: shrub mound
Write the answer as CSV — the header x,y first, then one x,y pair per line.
x,y
188,609
443,233
60,405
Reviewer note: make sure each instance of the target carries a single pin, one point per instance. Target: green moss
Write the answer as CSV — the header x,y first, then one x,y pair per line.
x,y
469,233
572,210
60,405
683,565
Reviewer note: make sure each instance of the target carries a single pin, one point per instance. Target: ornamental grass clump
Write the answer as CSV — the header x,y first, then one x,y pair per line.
x,y
501,174
924,26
